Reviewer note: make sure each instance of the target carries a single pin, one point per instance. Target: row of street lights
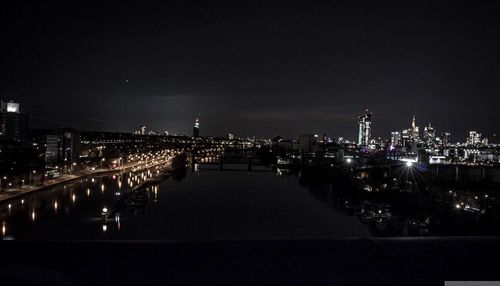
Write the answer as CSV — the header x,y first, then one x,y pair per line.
x,y
4,183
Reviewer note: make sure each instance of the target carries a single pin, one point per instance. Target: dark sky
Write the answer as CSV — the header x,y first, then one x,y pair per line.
x,y
262,68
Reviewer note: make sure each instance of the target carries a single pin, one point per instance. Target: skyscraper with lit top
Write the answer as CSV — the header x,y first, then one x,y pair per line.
x,y
13,123
365,131
196,128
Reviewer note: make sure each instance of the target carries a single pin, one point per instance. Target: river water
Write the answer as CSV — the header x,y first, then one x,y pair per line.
x,y
203,205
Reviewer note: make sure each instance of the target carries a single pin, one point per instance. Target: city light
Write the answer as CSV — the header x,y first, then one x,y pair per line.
x,y
343,129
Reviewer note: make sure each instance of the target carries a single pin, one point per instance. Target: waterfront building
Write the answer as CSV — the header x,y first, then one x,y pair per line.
x,y
474,138
62,150
70,146
52,142
13,123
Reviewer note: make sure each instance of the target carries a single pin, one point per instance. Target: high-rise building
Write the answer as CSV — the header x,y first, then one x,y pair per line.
x,y
141,130
13,123
474,138
52,143
415,133
396,138
364,134
62,148
307,143
429,134
406,137
446,138
196,128
70,146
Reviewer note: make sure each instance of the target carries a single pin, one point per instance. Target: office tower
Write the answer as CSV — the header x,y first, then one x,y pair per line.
x,y
141,131
429,134
415,134
474,138
62,148
396,138
196,128
307,143
364,133
446,138
70,146
13,123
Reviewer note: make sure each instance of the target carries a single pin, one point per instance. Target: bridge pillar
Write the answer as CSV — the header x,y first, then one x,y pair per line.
x,y
456,173
249,164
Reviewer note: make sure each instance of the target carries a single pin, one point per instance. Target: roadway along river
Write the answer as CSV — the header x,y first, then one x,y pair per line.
x,y
207,205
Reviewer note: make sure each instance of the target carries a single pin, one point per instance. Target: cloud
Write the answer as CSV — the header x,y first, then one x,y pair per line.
x,y
297,114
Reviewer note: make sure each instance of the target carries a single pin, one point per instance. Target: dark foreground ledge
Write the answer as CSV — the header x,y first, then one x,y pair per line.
x,y
400,261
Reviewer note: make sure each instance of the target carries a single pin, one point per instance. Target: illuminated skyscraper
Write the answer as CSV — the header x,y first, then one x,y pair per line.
x,y
196,128
365,131
429,134
446,138
415,133
474,138
13,123
395,138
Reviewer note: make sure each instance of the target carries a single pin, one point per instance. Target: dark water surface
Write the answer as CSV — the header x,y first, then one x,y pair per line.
x,y
208,205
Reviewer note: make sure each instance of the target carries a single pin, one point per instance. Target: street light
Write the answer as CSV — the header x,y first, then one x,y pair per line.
x,y
409,164
34,172
4,178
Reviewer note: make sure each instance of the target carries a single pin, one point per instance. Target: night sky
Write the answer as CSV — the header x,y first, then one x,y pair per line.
x,y
254,68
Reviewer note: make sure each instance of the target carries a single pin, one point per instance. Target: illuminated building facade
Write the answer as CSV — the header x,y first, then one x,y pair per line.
x,y
196,128
364,133
474,138
429,135
395,138
13,123
415,133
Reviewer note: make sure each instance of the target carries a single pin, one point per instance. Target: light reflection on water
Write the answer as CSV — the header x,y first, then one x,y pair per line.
x,y
206,205
235,204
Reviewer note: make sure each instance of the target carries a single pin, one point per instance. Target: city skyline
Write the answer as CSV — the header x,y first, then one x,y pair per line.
x,y
364,134
263,142
272,69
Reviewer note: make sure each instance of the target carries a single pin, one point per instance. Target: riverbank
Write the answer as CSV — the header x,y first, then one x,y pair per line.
x,y
14,193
